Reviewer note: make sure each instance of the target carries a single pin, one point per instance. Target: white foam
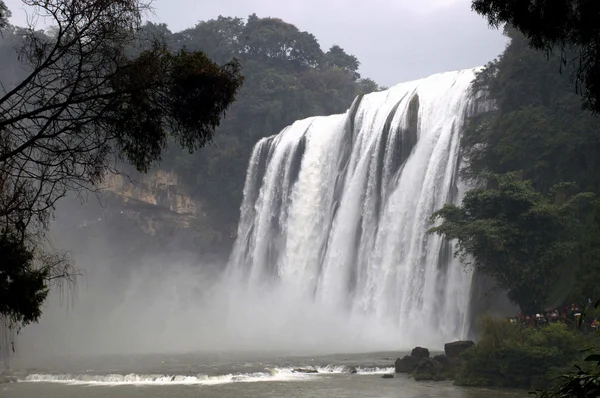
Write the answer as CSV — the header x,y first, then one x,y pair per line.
x,y
334,223
339,369
274,374
158,379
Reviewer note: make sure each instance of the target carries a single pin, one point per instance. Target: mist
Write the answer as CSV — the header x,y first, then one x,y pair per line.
x,y
172,304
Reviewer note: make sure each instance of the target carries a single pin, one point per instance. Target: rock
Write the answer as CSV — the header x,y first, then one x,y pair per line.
x,y
304,370
387,376
4,379
406,365
453,350
451,365
429,369
420,352
444,360
349,369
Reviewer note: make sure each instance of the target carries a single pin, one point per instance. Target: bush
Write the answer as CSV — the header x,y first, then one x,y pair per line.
x,y
519,357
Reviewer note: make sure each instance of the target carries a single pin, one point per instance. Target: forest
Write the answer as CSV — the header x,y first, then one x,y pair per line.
x,y
287,77
530,218
226,83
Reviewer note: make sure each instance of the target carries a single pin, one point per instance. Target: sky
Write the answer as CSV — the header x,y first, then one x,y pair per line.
x,y
395,40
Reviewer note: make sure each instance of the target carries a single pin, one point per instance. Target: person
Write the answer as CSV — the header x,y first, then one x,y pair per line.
x,y
577,316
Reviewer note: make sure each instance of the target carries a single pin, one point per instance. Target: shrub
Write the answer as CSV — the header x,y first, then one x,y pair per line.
x,y
519,357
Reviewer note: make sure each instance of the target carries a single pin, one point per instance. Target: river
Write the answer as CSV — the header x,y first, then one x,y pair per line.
x,y
226,375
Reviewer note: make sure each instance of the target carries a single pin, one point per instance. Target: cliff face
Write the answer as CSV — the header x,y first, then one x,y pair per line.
x,y
159,188
144,215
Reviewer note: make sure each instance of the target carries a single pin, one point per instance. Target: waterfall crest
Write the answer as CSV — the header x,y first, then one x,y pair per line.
x,y
335,217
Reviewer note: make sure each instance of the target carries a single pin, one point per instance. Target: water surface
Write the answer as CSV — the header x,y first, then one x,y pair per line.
x,y
226,375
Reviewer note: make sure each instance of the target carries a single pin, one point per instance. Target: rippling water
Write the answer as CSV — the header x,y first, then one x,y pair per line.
x,y
226,375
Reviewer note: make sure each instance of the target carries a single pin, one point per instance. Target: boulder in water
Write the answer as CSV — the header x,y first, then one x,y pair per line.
x,y
454,349
406,365
304,370
444,360
349,369
5,379
420,352
451,365
429,369
387,376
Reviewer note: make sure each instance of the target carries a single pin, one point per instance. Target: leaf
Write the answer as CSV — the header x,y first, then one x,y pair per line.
x,y
593,358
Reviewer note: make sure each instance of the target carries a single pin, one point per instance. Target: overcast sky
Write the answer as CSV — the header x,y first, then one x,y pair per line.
x,y
395,40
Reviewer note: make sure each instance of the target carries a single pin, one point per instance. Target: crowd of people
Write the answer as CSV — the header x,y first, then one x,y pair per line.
x,y
569,315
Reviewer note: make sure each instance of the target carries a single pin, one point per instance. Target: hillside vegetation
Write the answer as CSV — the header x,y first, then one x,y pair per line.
x,y
288,76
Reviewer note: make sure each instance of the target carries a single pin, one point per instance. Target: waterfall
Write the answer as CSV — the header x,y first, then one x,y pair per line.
x,y
335,215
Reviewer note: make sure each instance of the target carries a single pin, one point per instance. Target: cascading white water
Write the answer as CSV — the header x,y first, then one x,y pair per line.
x,y
336,211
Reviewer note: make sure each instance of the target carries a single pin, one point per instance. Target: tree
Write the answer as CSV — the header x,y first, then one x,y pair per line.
x,y
280,41
4,14
569,26
584,381
538,129
286,79
516,235
367,86
94,95
337,57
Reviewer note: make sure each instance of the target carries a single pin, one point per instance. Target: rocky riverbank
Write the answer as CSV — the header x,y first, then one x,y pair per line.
x,y
7,377
421,366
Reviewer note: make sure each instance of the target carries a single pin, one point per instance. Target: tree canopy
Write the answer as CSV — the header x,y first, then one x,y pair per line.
x,y
287,77
569,27
89,94
515,234
531,218
4,14
538,140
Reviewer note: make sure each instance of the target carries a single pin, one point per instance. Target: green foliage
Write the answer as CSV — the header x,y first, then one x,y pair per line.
x,y
4,14
515,234
287,77
538,127
569,26
93,90
540,138
23,288
533,222
512,356
336,57
584,382
181,96
580,384
367,86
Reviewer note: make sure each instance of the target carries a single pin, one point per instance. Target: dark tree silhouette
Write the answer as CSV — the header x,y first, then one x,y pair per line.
x,y
93,94
569,26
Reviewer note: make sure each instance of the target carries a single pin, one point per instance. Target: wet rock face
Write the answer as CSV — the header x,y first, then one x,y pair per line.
x,y
429,369
441,367
454,349
305,370
420,352
408,364
444,360
5,379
